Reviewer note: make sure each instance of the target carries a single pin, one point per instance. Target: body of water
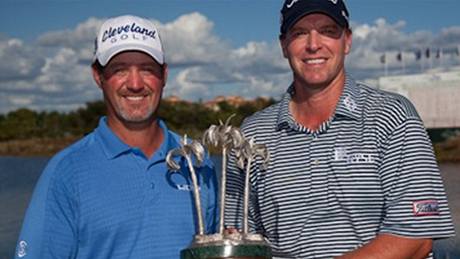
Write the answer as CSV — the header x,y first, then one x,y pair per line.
x,y
18,177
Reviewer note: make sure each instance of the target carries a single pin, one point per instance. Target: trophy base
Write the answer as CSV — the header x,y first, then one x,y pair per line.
x,y
233,246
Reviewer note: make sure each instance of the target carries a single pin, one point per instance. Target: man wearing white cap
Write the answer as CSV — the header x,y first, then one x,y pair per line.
x,y
352,172
110,195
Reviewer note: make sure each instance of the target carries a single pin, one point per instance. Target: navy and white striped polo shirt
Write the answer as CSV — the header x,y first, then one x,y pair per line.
x,y
369,169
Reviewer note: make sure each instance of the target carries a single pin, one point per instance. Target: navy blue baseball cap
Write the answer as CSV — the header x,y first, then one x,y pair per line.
x,y
294,10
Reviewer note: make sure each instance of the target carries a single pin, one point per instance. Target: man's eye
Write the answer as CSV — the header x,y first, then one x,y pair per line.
x,y
118,70
149,70
297,34
330,31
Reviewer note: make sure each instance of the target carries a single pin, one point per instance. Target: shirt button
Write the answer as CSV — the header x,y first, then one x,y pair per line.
x,y
316,162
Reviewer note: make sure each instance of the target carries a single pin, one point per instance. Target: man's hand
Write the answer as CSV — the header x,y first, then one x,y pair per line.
x,y
230,230
391,246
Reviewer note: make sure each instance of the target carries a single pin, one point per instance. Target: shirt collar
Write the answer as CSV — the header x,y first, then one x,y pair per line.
x,y
285,119
348,105
113,146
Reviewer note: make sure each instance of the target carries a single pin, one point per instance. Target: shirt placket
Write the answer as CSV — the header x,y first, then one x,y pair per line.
x,y
145,167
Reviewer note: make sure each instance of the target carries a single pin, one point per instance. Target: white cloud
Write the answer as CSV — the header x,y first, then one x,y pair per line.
x,y
184,85
371,41
18,60
53,73
190,40
80,39
63,72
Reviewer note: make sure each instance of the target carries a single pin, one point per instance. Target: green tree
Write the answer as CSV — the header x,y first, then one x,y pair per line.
x,y
182,117
19,124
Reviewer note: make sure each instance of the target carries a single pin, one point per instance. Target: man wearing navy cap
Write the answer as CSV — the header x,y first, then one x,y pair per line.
x,y
352,172
110,195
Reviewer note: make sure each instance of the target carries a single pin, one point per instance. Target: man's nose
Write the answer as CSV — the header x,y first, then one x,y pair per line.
x,y
313,41
134,80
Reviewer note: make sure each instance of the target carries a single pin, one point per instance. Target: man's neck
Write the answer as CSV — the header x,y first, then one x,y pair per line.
x,y
313,106
147,136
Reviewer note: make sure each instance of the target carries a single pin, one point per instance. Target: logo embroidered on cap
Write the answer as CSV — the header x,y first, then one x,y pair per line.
x,y
425,208
295,1
291,3
134,28
344,14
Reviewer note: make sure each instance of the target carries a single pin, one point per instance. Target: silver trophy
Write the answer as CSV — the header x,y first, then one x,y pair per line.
x,y
239,244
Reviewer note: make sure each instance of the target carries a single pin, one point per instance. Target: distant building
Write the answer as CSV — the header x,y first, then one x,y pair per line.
x,y
172,99
435,94
235,101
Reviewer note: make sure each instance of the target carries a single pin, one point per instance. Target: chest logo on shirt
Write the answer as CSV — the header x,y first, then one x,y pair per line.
x,y
425,208
342,154
185,187
22,248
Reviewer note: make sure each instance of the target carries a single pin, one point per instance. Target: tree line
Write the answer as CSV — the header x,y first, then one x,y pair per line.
x,y
192,118
29,132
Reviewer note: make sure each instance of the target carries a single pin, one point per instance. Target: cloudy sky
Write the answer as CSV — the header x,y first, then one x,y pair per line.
x,y
213,47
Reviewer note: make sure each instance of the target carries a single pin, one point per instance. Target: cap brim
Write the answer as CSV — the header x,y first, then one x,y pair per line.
x,y
105,56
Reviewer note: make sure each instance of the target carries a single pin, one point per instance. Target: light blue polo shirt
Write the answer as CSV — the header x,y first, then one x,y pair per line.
x,y
100,198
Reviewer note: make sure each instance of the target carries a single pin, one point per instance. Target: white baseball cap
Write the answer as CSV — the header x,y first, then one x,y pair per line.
x,y
124,33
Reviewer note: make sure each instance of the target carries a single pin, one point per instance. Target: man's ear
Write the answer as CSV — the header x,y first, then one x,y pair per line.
x,y
165,74
348,41
283,44
97,75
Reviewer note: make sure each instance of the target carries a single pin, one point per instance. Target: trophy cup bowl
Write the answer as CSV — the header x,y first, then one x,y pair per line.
x,y
222,244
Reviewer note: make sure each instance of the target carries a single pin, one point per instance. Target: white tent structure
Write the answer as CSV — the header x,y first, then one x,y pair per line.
x,y
435,94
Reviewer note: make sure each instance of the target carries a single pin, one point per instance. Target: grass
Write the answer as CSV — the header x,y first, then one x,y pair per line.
x,y
35,146
449,150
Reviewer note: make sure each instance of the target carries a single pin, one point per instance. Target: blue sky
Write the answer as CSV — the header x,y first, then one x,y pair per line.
x,y
236,20
214,47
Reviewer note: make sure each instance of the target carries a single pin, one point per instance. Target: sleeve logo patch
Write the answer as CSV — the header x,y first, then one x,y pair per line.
x,y
425,208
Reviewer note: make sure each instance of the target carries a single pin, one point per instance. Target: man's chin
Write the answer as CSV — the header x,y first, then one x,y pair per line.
x,y
137,118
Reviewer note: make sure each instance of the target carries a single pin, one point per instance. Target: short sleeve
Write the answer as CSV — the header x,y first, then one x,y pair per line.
x,y
415,199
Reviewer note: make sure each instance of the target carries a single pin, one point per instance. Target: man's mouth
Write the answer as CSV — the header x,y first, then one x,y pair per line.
x,y
135,98
314,61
